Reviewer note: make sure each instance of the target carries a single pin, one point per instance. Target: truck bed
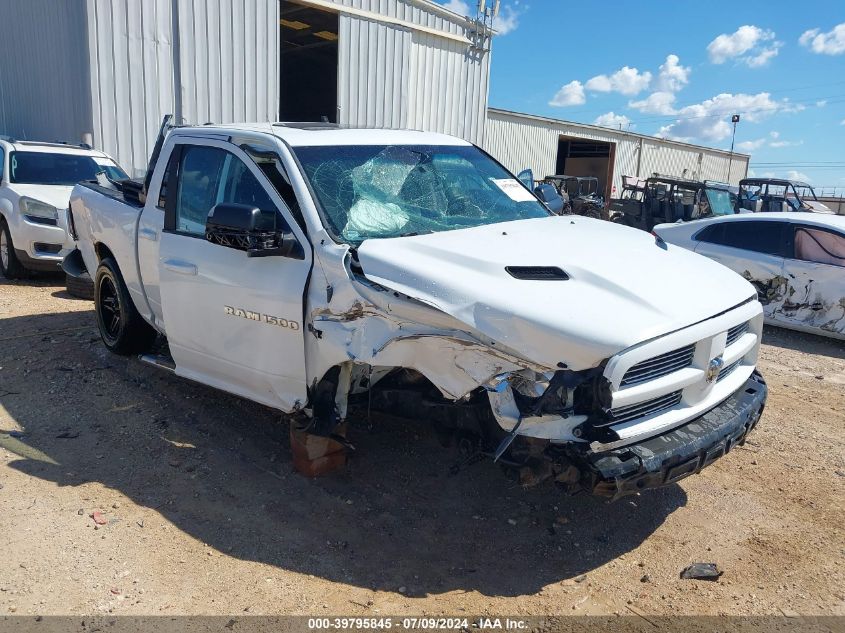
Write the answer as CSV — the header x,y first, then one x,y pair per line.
x,y
106,222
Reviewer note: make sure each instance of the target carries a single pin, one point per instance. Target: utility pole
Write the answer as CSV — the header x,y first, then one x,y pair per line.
x,y
734,120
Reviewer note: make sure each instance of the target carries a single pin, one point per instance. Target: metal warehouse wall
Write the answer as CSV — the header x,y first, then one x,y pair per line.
x,y
222,66
406,63
519,141
44,70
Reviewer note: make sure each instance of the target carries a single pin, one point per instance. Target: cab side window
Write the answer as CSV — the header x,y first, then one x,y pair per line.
x,y
209,176
757,236
241,187
2,163
199,181
819,246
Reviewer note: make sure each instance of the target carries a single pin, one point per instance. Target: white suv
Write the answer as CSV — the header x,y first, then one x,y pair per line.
x,y
35,184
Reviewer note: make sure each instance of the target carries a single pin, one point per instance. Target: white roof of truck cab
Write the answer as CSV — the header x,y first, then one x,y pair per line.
x,y
322,134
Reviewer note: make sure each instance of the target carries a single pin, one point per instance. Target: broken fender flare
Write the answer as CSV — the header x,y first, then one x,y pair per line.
x,y
74,266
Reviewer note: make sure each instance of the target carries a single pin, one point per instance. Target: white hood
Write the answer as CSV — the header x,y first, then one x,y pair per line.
x,y
55,195
623,288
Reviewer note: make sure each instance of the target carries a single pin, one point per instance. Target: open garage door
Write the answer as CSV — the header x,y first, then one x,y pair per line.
x,y
308,63
583,157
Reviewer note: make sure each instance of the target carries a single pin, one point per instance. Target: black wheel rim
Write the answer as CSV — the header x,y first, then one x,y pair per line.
x,y
109,308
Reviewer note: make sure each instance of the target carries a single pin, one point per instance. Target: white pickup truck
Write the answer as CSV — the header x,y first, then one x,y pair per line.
x,y
316,269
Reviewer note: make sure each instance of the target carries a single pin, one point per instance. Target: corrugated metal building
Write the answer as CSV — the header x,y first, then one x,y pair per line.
x,y
550,146
106,71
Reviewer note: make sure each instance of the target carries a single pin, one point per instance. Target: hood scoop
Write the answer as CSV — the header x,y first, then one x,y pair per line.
x,y
537,273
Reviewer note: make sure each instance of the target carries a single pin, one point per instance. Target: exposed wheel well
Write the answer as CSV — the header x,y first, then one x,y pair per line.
x,y
102,251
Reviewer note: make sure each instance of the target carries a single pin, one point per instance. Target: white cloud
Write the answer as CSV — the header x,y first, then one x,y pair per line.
x,y
611,119
569,95
710,119
821,104
458,6
504,23
655,103
770,141
746,39
797,175
762,58
672,76
626,81
750,146
830,43
842,122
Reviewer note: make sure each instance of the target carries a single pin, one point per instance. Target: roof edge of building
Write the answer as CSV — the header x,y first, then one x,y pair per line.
x,y
550,120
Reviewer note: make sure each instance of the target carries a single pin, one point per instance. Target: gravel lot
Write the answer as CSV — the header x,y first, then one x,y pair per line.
x,y
205,515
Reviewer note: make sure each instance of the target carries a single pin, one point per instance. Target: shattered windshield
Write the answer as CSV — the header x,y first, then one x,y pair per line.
x,y
372,191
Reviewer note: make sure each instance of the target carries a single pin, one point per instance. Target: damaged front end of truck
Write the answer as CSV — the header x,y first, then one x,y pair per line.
x,y
570,402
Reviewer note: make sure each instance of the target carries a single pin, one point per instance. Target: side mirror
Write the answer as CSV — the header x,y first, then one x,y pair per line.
x,y
248,228
526,177
550,197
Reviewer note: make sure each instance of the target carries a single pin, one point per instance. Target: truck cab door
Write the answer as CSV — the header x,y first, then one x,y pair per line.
x,y
233,322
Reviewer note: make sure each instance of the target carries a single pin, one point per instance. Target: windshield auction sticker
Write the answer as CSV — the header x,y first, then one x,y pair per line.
x,y
514,189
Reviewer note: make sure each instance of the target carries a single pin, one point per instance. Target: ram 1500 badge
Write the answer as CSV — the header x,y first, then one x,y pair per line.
x,y
431,284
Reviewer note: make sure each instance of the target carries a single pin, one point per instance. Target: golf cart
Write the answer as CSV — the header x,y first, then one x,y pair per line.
x,y
774,194
580,194
633,194
661,199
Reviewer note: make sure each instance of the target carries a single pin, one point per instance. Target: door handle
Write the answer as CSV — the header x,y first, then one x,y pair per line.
x,y
180,267
148,234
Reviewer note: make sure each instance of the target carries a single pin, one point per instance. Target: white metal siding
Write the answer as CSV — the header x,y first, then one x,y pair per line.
x,y
520,141
43,64
392,76
221,66
229,60
131,76
373,62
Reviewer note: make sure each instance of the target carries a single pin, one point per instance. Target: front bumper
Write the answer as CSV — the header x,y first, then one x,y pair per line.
x,y
665,459
39,246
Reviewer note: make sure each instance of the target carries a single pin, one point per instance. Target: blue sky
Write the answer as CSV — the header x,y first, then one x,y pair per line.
x,y
680,70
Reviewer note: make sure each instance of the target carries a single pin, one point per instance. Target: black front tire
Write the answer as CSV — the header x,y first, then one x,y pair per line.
x,y
122,329
10,265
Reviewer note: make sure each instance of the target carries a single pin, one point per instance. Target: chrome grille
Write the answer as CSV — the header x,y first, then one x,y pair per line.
x,y
728,369
642,409
658,366
736,332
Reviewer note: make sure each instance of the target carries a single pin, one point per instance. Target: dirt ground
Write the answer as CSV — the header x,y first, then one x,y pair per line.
x,y
205,515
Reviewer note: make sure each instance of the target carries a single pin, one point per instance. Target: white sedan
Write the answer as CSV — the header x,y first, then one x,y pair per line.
x,y
795,260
